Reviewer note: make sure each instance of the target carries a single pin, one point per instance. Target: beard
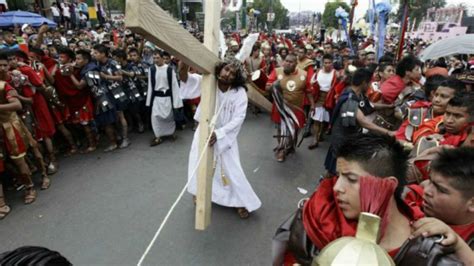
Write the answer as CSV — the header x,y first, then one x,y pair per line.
x,y
288,71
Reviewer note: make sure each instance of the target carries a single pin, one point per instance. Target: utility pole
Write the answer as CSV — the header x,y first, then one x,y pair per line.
x,y
312,24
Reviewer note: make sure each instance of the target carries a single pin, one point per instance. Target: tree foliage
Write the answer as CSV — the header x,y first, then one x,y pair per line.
x,y
418,9
281,20
329,16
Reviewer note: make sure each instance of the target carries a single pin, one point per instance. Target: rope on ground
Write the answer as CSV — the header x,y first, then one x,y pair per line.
x,y
170,211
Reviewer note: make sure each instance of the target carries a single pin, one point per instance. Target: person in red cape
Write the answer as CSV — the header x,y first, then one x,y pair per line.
x,y
384,72
424,117
448,199
295,86
12,132
78,102
455,129
408,70
333,209
45,127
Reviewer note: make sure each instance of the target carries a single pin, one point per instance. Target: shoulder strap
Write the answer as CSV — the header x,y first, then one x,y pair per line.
x,y
2,85
169,73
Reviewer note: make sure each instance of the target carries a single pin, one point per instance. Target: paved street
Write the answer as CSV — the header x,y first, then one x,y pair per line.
x,y
103,209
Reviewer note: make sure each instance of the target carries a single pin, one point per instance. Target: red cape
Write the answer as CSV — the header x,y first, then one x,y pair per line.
x,y
391,88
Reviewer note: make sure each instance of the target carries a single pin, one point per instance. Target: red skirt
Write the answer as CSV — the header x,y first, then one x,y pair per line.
x,y
298,113
14,139
83,115
194,101
60,114
45,127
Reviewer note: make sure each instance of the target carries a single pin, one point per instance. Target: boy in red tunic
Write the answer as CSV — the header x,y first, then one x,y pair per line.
x,y
13,133
448,199
45,127
78,102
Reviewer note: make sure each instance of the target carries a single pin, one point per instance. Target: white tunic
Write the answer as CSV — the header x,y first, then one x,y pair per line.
x,y
233,190
191,89
161,110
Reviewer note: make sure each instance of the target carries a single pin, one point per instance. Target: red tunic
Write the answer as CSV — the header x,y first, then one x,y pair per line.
x,y
45,127
78,102
12,132
391,88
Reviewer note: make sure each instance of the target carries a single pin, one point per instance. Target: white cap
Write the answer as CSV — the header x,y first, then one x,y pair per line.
x,y
23,28
234,43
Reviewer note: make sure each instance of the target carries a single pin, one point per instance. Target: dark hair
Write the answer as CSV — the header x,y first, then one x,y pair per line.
x,y
165,53
441,62
328,56
85,54
432,83
120,53
31,255
408,63
158,52
458,166
20,53
464,100
386,59
66,51
455,84
101,49
379,155
3,55
37,51
383,66
372,67
239,80
284,48
360,76
132,50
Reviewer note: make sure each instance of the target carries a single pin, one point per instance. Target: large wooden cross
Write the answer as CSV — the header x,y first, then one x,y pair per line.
x,y
148,19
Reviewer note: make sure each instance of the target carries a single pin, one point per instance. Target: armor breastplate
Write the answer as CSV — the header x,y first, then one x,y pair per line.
x,y
293,86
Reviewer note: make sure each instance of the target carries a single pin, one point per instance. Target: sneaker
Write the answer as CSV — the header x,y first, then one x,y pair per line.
x,y
52,169
125,143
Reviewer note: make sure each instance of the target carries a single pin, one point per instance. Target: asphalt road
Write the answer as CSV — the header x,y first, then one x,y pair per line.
x,y
103,209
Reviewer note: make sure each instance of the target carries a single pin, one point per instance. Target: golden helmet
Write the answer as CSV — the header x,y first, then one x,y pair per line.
x,y
359,250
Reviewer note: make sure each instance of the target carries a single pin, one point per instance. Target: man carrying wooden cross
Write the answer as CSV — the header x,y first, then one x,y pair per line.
x,y
230,187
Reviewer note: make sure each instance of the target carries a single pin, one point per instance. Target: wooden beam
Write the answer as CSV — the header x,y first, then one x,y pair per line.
x,y
205,173
148,19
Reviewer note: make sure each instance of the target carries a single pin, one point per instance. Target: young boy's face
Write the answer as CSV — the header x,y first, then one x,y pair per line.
x,y
4,66
455,119
443,201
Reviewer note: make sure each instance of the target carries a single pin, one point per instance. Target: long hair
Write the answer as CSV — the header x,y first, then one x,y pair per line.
x,y
240,76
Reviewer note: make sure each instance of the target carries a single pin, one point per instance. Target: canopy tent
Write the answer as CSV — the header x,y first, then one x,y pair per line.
x,y
456,45
12,18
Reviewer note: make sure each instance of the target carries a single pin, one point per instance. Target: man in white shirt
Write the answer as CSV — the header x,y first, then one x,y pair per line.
x,y
163,97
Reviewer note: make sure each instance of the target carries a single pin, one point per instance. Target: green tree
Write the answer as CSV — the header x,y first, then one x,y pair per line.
x,y
418,9
281,13
329,16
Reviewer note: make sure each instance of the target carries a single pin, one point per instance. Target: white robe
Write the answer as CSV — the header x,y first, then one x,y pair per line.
x,y
162,120
234,190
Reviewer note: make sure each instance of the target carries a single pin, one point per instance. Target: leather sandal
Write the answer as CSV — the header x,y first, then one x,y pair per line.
x,y
30,195
243,213
4,211
280,156
156,142
89,150
46,183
